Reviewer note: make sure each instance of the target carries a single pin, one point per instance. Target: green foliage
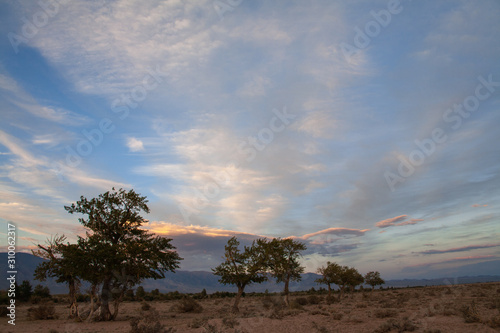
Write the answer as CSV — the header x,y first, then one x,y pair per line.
x,y
241,268
41,291
25,290
282,258
373,279
140,293
342,276
116,253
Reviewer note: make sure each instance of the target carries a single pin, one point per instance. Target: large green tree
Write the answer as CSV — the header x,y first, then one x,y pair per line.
x,y
241,268
116,253
282,260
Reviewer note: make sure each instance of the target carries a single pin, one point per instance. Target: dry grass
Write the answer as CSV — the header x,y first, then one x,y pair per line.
x,y
465,308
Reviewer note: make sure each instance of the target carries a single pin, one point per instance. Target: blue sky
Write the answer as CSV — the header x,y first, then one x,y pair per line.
x,y
366,129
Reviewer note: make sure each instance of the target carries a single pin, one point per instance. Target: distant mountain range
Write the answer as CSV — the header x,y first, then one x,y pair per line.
x,y
193,282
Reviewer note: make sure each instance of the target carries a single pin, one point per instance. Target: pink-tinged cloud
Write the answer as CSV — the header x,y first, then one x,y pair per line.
x,y
476,205
396,221
336,231
460,249
391,221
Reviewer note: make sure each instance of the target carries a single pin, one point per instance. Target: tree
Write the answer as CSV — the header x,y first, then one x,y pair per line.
x,y
140,293
330,275
282,260
240,268
63,262
373,279
115,254
354,278
342,276
41,291
25,291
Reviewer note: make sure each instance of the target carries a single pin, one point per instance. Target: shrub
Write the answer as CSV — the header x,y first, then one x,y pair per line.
x,y
230,322
187,305
42,312
197,322
385,313
405,325
337,316
295,305
313,299
494,322
145,306
301,300
149,322
330,299
470,313
3,311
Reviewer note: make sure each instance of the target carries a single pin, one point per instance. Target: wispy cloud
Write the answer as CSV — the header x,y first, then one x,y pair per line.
x,y
396,221
459,249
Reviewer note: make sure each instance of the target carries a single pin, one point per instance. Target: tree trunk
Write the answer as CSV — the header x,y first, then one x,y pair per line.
x,y
329,290
105,296
341,292
73,306
92,300
286,292
236,309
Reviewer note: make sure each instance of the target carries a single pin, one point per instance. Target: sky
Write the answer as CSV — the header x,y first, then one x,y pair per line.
x,y
367,130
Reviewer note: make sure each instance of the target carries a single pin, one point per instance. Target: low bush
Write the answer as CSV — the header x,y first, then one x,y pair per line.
x,y
149,322
187,305
313,299
385,313
470,313
42,312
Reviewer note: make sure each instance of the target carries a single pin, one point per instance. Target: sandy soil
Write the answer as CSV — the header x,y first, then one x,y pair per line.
x,y
426,309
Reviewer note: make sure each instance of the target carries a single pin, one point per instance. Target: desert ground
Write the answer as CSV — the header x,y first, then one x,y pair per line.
x,y
454,308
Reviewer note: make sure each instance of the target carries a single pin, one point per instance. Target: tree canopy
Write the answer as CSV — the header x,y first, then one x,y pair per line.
x,y
115,253
241,268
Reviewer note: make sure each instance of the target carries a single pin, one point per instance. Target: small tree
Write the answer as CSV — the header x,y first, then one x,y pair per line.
x,y
373,279
354,278
330,275
41,291
63,262
25,291
140,293
240,268
282,261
